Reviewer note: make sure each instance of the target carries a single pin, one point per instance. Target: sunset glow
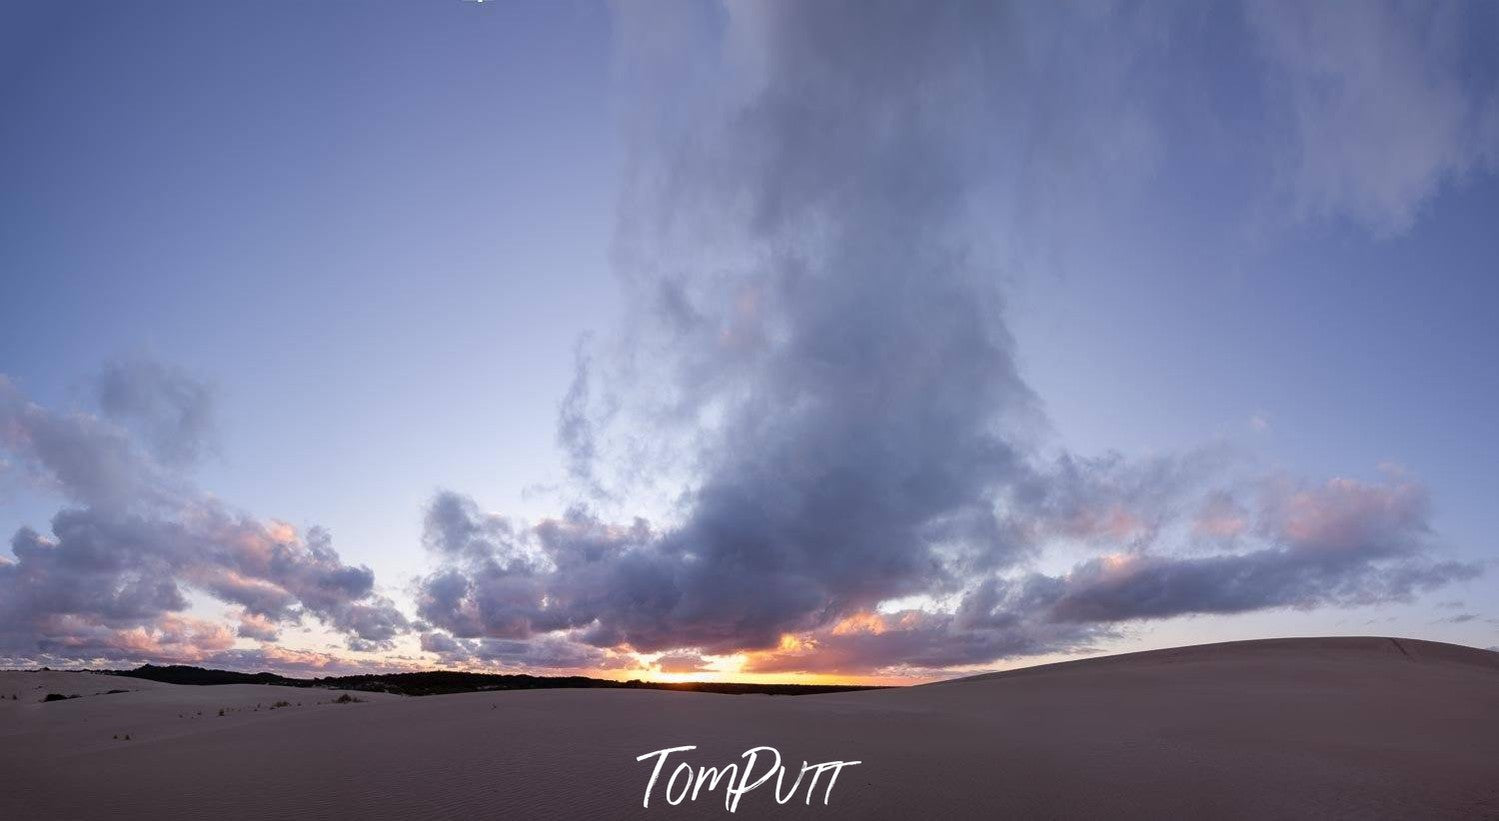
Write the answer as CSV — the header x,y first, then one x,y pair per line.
x,y
750,349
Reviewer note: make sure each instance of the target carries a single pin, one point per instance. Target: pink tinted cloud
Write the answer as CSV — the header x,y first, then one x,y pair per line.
x,y
256,626
1220,518
1346,515
172,638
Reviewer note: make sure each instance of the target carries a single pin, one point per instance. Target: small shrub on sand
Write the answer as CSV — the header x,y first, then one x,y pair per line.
x,y
281,704
347,699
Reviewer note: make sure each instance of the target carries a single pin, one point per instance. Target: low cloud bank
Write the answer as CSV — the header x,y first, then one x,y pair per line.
x,y
110,579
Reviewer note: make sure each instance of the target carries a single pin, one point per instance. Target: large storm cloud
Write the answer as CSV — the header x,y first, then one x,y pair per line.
x,y
818,351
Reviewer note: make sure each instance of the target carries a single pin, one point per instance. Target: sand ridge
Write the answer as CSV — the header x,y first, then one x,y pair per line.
x,y
1366,727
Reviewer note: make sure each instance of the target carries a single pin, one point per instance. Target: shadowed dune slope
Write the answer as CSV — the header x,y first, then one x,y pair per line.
x,y
1294,728
1293,651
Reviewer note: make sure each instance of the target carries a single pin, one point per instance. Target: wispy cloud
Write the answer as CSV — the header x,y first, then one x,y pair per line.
x,y
1384,109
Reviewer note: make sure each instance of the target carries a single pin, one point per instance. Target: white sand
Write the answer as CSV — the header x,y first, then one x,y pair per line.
x,y
1359,728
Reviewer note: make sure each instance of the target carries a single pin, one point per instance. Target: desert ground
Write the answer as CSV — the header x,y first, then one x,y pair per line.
x,y
1285,728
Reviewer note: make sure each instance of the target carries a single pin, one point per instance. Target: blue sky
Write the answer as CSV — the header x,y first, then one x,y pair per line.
x,y
382,235
309,207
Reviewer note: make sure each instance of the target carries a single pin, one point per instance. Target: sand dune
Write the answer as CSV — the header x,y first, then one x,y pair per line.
x,y
1360,728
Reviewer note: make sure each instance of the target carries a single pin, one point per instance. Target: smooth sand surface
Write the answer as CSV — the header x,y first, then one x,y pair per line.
x,y
1293,728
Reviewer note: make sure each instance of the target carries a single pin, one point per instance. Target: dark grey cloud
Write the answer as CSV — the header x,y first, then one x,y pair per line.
x,y
998,618
111,579
1161,587
455,528
857,379
1341,543
815,347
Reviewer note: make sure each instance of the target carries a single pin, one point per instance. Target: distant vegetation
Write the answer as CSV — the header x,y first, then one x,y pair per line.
x,y
61,697
439,682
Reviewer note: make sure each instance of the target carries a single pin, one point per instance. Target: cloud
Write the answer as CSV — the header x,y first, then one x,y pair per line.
x,y
1387,103
78,455
167,637
815,372
172,411
998,619
829,377
681,663
1220,518
1341,544
546,653
1345,515
1283,543
256,626
1112,500
455,528
814,347
1119,589
290,662
112,578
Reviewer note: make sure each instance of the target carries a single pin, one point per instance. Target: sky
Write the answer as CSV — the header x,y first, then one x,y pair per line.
x,y
756,341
